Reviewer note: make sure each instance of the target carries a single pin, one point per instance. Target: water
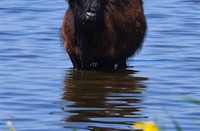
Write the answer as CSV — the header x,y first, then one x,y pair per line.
x,y
40,92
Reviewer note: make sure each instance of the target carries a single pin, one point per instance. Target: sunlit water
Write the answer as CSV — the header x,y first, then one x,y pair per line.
x,y
40,92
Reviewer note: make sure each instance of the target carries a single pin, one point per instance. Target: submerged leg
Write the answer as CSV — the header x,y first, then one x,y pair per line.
x,y
121,64
75,61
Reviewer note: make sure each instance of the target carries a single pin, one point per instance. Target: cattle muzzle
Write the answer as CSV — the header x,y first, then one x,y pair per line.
x,y
91,13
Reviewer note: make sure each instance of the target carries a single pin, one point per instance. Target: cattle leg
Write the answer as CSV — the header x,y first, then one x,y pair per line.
x,y
75,61
121,64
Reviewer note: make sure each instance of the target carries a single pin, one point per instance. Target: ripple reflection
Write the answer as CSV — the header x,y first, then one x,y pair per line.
x,y
99,100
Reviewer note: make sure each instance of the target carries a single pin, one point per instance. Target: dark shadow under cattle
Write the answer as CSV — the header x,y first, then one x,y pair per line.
x,y
103,34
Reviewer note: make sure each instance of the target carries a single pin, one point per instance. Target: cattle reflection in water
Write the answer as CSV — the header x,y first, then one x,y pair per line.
x,y
103,100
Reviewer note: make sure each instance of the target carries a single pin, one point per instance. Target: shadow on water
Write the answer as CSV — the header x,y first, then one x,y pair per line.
x,y
98,100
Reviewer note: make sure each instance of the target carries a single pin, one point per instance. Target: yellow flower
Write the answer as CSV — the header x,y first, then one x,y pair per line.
x,y
10,125
146,126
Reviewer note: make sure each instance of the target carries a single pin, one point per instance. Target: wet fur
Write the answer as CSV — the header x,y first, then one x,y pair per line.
x,y
107,44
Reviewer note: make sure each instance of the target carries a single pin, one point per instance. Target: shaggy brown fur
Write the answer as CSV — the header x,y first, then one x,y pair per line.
x,y
109,44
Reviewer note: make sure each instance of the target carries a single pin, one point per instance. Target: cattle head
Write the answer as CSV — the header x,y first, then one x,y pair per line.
x,y
88,12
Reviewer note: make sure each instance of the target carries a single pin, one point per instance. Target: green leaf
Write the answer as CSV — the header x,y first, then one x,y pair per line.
x,y
192,100
176,124
74,129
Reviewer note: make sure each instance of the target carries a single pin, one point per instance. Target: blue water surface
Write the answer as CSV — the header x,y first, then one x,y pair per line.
x,y
39,90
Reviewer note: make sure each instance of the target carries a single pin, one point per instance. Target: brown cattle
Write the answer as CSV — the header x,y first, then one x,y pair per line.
x,y
103,34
